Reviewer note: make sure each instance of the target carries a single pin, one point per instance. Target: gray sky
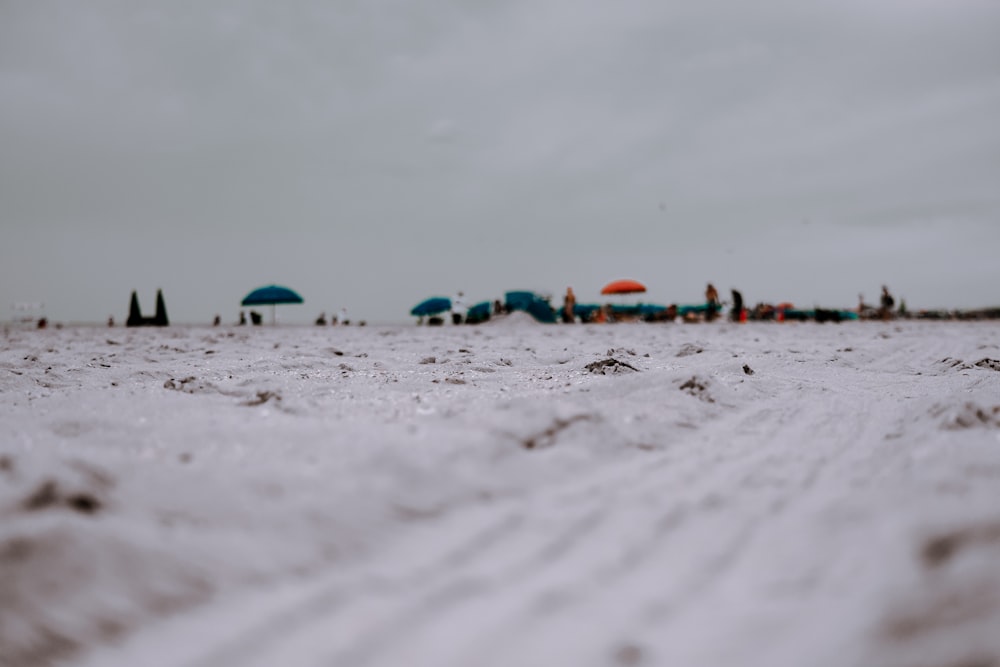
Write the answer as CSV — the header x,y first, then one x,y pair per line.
x,y
372,153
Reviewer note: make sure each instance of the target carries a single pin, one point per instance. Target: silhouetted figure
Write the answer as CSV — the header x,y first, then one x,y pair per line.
x,y
256,318
243,318
321,320
712,302
885,312
42,322
111,321
569,303
457,309
497,307
217,321
737,314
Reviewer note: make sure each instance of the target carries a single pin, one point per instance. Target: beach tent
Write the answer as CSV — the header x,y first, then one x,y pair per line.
x,y
479,312
271,295
533,304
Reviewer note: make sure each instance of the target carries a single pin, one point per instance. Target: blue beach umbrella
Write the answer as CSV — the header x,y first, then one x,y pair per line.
x,y
431,306
271,295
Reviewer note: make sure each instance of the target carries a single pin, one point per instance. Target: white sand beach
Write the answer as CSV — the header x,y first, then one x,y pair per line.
x,y
758,495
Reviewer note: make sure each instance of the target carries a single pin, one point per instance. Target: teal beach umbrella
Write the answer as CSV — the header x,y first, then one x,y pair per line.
x,y
271,295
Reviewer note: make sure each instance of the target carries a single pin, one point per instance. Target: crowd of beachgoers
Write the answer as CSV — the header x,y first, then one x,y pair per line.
x,y
438,310
623,304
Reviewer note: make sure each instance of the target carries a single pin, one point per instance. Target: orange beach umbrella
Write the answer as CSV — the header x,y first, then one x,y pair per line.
x,y
623,287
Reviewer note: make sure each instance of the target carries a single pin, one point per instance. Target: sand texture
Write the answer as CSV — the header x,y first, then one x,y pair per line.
x,y
508,494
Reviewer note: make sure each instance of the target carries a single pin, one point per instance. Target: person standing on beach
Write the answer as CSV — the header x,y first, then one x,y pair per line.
x,y
457,309
712,302
885,312
569,303
737,314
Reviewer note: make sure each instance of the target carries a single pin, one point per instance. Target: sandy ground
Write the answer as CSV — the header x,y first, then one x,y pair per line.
x,y
507,494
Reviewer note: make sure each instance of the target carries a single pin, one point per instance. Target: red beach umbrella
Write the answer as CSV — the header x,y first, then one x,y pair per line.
x,y
623,287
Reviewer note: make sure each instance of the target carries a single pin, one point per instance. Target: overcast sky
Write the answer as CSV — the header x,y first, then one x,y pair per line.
x,y
373,153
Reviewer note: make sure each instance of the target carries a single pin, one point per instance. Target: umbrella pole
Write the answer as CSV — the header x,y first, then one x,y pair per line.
x,y
273,320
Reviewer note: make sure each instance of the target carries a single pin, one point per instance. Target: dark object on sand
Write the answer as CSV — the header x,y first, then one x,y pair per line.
x,y
826,315
255,318
747,369
135,318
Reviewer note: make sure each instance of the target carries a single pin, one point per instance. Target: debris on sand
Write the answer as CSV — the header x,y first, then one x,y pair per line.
x,y
610,366
949,362
83,489
747,369
697,388
628,655
939,549
263,397
547,437
970,415
180,385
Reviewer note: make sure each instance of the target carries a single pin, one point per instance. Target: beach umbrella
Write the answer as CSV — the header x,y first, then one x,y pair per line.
x,y
623,287
271,295
432,306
